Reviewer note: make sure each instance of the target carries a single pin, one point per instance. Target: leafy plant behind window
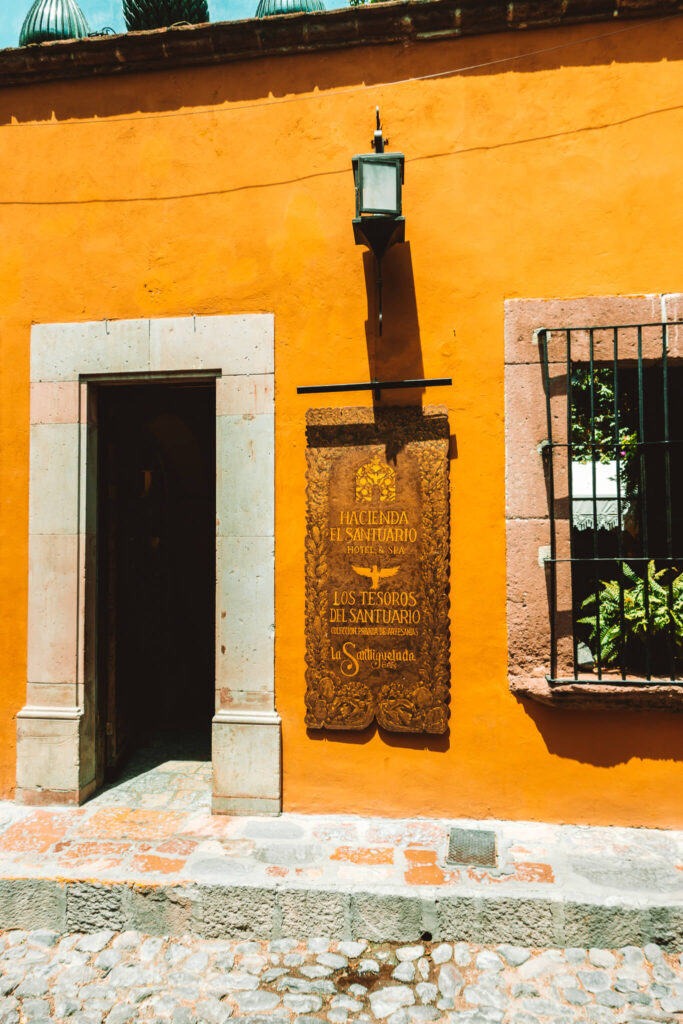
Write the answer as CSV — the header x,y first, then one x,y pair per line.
x,y
607,440
652,614
597,435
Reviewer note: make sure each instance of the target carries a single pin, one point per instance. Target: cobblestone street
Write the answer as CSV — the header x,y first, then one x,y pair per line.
x,y
121,977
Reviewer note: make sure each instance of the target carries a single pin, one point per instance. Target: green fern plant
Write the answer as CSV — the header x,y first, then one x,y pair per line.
x,y
148,14
656,620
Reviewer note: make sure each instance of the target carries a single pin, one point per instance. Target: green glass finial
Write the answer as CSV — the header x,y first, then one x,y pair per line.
x,y
141,15
53,19
266,8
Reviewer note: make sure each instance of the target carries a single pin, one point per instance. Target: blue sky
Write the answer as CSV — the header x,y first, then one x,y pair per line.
x,y
108,12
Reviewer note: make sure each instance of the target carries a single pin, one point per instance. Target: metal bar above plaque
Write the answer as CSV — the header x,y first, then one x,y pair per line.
x,y
377,569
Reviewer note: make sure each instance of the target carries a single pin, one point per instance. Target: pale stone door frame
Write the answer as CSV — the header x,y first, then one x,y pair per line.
x,y
56,750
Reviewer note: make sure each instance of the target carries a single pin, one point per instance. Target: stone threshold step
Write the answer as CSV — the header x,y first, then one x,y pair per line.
x,y
249,912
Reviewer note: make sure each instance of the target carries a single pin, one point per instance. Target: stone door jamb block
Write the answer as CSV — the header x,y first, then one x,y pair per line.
x,y
56,743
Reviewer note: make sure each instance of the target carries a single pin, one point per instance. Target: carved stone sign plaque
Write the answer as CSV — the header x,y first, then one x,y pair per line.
x,y
377,569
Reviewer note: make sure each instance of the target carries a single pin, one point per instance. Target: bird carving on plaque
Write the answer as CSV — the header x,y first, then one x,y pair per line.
x,y
375,574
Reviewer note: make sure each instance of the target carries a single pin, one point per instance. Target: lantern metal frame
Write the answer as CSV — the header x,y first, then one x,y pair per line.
x,y
363,160
378,227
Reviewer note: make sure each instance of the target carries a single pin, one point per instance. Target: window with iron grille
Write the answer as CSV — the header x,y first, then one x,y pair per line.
x,y
614,475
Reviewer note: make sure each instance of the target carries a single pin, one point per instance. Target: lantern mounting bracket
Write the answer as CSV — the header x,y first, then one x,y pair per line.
x,y
376,386
378,233
378,140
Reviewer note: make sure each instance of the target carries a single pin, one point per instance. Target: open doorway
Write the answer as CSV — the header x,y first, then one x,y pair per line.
x,y
156,573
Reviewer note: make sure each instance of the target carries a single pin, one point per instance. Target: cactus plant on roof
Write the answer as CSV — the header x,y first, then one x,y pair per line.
x,y
148,14
268,8
48,20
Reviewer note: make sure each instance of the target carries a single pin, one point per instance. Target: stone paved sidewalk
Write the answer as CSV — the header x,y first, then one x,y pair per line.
x,y
148,854
116,978
157,825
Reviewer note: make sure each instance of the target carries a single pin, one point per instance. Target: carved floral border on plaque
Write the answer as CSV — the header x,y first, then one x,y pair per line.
x,y
377,569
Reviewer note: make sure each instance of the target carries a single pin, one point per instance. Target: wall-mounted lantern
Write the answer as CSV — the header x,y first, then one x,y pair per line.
x,y
378,222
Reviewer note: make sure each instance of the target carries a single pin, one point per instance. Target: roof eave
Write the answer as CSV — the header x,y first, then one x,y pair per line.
x,y
399,21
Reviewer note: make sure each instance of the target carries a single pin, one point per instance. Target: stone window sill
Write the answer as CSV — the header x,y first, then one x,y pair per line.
x,y
593,697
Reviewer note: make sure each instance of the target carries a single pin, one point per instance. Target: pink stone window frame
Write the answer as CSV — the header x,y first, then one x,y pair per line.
x,y
526,496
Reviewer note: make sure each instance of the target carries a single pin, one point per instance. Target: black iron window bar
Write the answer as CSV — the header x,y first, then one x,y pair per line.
x,y
376,386
653,462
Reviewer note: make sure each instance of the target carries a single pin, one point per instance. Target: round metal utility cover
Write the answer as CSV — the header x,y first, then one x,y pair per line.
x,y
266,8
53,19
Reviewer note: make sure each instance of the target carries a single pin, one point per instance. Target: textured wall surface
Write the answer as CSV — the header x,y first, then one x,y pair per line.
x,y
549,176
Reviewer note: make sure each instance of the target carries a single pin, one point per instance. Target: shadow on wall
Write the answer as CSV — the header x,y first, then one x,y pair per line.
x,y
396,355
410,741
582,735
267,78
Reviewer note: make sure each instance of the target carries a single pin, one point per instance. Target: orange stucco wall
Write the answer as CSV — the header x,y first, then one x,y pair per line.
x,y
554,175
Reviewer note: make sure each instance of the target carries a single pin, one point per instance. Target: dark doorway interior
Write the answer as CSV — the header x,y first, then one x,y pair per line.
x,y
156,572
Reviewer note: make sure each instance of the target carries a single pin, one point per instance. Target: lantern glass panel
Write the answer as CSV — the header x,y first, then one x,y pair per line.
x,y
379,187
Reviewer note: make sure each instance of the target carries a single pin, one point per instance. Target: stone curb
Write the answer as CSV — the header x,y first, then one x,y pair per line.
x,y
244,912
